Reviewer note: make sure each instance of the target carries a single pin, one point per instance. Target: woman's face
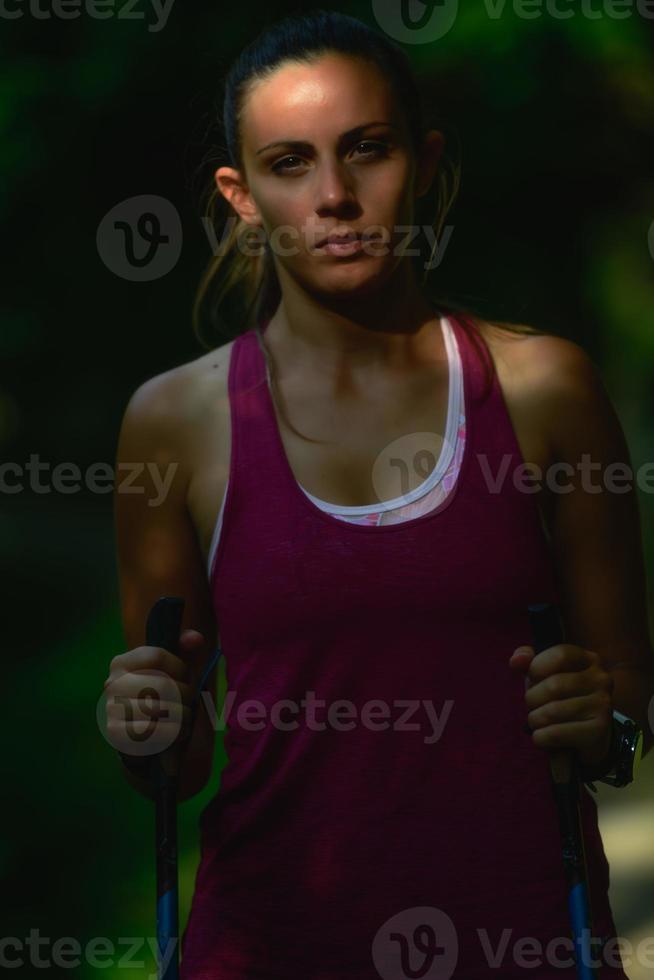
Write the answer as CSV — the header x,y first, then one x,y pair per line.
x,y
325,150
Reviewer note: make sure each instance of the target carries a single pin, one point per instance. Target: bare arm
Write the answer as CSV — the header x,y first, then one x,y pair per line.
x,y
595,527
157,548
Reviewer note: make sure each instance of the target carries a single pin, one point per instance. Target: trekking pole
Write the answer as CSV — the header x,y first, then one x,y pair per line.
x,y
163,630
547,630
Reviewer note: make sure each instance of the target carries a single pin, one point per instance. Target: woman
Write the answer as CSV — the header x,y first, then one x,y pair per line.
x,y
384,810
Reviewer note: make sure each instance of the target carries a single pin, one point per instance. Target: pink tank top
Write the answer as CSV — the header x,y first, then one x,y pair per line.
x,y
382,812
431,492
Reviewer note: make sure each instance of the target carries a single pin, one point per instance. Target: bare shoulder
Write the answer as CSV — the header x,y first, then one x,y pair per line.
x,y
527,349
556,378
177,400
204,379
544,363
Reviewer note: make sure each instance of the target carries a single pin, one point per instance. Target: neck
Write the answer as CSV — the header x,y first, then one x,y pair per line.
x,y
390,330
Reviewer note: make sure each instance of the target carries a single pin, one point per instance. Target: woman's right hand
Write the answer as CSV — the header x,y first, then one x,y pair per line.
x,y
148,698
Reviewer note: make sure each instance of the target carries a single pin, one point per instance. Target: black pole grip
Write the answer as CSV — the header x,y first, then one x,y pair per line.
x,y
546,625
164,623
162,629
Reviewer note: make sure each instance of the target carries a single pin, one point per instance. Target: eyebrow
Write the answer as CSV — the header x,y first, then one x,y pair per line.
x,y
303,145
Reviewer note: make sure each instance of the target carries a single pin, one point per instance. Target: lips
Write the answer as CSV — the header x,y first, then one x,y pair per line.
x,y
342,239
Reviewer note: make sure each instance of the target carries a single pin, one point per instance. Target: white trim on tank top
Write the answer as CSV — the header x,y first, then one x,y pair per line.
x,y
455,410
455,388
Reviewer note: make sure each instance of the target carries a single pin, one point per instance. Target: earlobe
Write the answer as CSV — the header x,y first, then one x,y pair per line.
x,y
229,183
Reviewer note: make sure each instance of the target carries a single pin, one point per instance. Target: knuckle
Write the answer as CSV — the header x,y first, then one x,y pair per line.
x,y
548,713
552,687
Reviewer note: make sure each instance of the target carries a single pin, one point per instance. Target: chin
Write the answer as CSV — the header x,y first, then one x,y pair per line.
x,y
336,286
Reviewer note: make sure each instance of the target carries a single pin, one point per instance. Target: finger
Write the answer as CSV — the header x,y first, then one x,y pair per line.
x,y
573,735
152,685
520,660
149,658
560,687
521,657
558,659
560,712
190,639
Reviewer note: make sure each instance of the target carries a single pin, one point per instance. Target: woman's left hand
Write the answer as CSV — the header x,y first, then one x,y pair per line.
x,y
569,695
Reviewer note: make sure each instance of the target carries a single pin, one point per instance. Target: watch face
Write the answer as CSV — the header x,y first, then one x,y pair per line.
x,y
629,752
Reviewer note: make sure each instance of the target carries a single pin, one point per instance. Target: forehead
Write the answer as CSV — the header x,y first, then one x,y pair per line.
x,y
317,101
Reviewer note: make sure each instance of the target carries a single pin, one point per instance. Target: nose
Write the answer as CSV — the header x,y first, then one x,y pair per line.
x,y
334,188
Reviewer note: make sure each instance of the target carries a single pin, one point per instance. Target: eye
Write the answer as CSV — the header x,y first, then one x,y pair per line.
x,y
379,150
278,168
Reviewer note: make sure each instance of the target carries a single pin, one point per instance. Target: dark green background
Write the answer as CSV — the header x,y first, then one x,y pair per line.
x,y
551,228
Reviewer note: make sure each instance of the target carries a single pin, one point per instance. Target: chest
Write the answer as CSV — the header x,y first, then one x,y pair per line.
x,y
350,452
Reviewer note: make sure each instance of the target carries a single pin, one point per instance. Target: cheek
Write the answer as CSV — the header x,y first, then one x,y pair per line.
x,y
389,197
288,220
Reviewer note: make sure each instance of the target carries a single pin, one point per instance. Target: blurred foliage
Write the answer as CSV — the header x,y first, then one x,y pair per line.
x,y
552,227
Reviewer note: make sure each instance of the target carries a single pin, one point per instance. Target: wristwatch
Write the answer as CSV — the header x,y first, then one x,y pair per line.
x,y
624,756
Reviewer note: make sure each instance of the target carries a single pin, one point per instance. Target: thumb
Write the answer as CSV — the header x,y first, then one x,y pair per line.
x,y
191,639
522,657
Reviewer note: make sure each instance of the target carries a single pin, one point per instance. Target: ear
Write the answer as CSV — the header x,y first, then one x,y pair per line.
x,y
429,157
232,186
